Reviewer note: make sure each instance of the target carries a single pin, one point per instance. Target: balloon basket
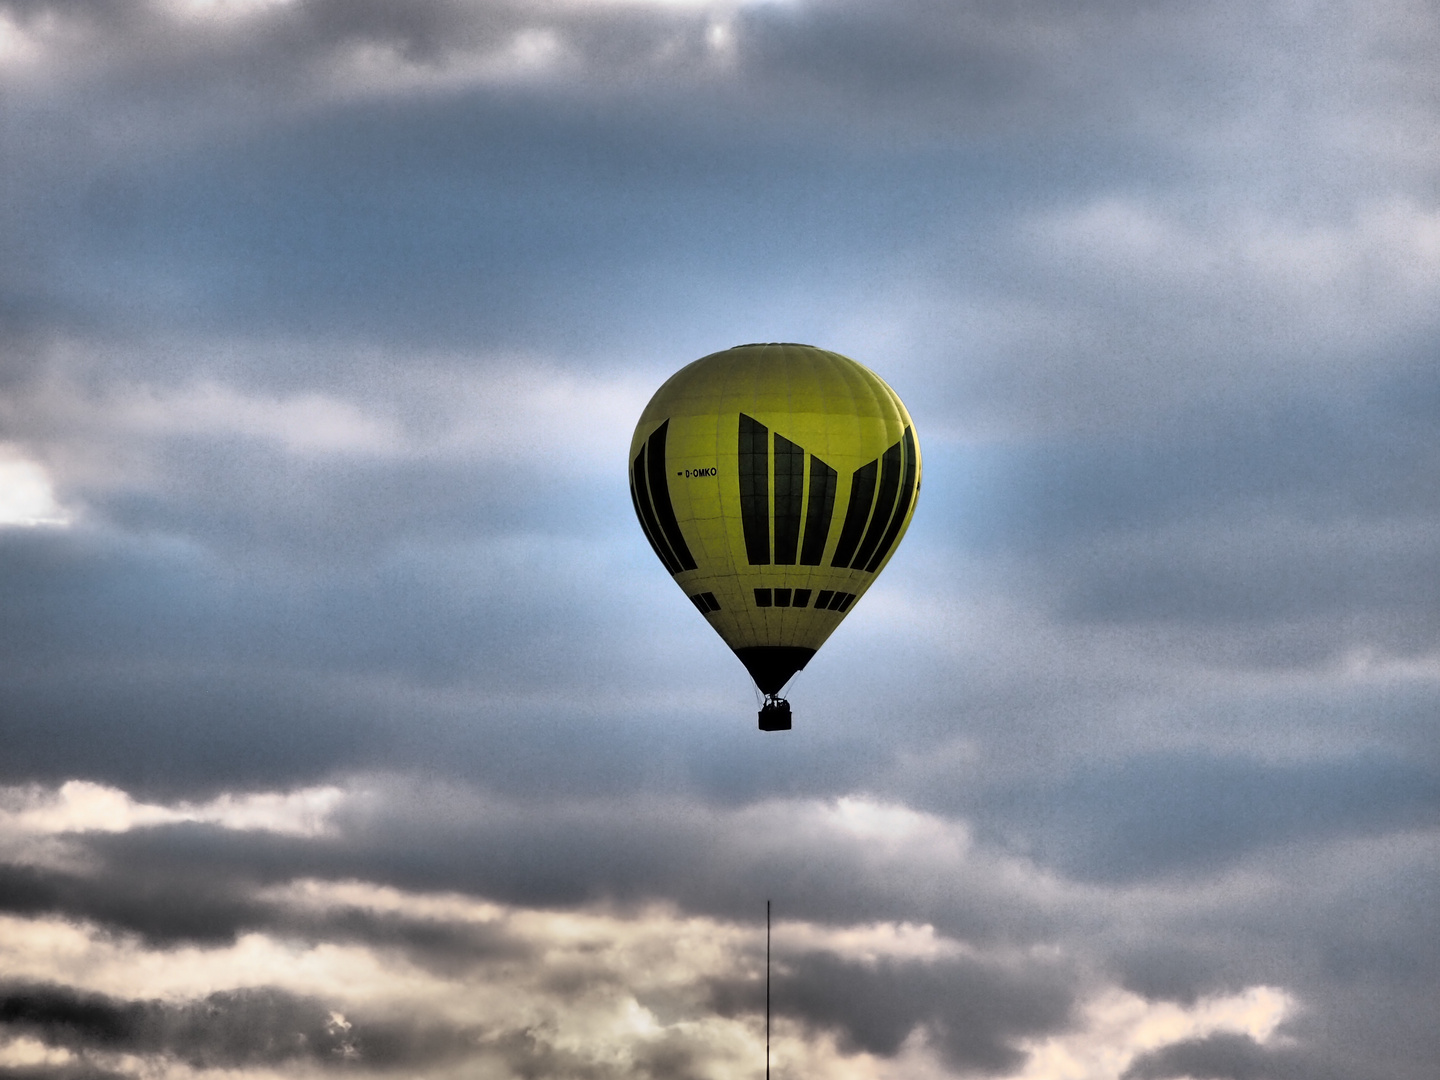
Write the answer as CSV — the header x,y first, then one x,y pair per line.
x,y
775,715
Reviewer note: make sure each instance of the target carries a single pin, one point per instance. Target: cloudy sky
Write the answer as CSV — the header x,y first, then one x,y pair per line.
x,y
348,725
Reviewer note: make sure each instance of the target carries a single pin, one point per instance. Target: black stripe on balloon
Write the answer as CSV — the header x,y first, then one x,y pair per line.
x,y
634,501
822,509
660,492
907,495
640,492
884,505
862,493
789,498
755,489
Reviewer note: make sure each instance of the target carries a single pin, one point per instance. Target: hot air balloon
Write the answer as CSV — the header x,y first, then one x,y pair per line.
x,y
774,482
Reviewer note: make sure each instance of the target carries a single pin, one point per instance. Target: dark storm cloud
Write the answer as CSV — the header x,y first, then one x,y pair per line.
x,y
229,1029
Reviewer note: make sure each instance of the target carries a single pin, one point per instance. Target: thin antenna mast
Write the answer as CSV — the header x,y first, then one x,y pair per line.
x,y
767,990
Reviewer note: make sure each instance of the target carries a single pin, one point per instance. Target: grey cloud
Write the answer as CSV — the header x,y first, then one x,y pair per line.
x,y
163,910
1249,531
329,570
1152,816
191,885
258,677
239,503
115,36
473,222
910,55
193,882
428,184
1274,920
1229,1057
1168,971
1158,821
975,1012
1303,453
69,1071
256,690
227,1029
670,1058
519,220
528,1054
1160,634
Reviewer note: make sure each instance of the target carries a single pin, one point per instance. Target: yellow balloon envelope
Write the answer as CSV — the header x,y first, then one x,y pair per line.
x,y
774,483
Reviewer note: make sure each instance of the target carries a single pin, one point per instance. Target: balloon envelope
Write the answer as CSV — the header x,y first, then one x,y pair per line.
x,y
774,483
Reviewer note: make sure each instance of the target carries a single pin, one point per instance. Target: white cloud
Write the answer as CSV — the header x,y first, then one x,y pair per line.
x,y
1363,278
583,991
378,68
607,984
522,411
519,410
29,1053
27,496
310,423
1119,1026
224,10
869,944
18,45
79,806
